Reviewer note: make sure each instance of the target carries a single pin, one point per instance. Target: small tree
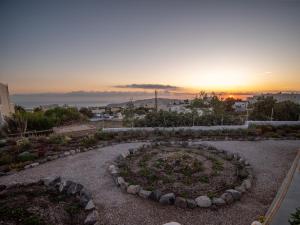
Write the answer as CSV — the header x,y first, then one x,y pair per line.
x,y
295,217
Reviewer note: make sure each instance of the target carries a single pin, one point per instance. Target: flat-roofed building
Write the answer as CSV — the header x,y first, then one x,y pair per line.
x,y
6,107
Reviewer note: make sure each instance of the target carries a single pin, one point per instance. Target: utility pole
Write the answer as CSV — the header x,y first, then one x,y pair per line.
x,y
156,106
272,114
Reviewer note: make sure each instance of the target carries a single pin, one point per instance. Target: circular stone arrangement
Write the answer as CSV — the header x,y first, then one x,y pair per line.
x,y
183,174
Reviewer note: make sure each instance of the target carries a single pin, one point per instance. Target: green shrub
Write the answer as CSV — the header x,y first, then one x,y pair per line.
x,y
295,217
23,144
88,141
57,139
26,156
5,158
100,135
33,220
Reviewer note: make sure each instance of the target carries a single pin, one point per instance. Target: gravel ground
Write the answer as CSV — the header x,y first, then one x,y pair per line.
x,y
270,160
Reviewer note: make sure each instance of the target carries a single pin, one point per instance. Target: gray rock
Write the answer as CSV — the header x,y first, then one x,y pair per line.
x,y
203,201
74,188
90,205
235,194
191,203
227,197
167,199
46,181
112,168
34,164
124,186
243,173
181,202
133,189
55,181
218,201
247,184
120,181
72,152
64,185
91,218
155,195
67,153
241,189
43,161
144,194
27,166
84,197
172,223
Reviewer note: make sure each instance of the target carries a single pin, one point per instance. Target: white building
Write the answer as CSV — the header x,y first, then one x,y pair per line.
x,y
6,107
179,109
240,106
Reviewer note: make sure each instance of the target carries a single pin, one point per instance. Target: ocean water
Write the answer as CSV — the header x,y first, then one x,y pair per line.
x,y
30,101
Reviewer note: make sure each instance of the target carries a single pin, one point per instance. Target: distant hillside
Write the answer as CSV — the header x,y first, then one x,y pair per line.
x,y
151,101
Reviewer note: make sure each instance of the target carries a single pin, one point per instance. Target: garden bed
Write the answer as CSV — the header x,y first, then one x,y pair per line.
x,y
47,202
183,175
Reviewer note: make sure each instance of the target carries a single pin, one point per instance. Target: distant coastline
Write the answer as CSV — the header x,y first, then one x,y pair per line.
x,y
85,99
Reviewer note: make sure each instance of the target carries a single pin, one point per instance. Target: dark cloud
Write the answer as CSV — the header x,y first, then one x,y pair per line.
x,y
149,86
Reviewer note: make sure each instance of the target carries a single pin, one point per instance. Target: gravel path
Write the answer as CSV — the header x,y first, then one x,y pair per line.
x,y
270,159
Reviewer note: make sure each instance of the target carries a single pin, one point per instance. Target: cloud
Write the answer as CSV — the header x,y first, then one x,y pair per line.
x,y
149,86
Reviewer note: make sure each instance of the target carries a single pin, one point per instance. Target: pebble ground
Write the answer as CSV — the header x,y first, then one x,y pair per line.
x,y
270,159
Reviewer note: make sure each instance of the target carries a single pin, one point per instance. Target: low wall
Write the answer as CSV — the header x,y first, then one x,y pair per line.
x,y
195,128
204,128
274,123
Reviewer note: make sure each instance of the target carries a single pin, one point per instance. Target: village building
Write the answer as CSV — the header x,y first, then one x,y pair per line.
x,y
6,107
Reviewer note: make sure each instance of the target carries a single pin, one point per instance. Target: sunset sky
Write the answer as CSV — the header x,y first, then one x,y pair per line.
x,y
233,46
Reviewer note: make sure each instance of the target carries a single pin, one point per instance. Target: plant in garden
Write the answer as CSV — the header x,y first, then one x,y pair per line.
x,y
23,144
88,141
295,217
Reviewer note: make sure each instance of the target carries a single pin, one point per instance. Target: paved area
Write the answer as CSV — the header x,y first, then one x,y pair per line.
x,y
290,202
271,161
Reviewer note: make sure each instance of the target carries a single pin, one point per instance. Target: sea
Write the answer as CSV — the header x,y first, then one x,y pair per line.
x,y
30,101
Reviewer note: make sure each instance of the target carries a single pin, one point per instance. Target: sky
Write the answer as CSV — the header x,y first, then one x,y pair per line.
x,y
181,46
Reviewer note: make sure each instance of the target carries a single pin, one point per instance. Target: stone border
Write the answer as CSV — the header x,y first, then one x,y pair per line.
x,y
226,198
68,188
51,158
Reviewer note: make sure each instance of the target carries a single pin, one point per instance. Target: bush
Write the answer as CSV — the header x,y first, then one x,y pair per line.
x,y
295,217
26,156
88,141
57,139
5,158
100,135
23,144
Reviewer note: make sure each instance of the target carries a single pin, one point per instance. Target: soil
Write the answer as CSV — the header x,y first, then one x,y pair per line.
x,y
36,205
183,171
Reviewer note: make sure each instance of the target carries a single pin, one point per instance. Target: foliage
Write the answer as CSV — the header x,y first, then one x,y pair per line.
x,y
86,112
26,157
61,115
286,111
295,217
129,114
57,139
282,111
174,119
5,158
100,135
23,144
21,121
89,141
